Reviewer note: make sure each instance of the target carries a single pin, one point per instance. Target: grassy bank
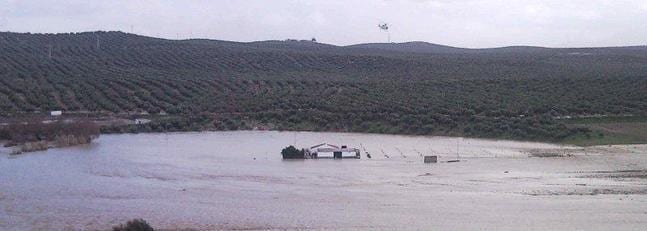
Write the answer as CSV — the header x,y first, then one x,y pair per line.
x,y
535,128
578,131
609,130
36,135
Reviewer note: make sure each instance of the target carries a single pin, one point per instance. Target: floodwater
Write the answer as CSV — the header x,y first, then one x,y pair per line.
x,y
237,180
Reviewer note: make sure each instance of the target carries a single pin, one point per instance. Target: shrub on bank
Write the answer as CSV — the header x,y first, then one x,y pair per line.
x,y
36,135
30,147
134,225
4,134
66,132
69,140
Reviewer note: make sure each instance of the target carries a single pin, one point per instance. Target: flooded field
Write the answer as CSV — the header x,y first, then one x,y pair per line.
x,y
237,180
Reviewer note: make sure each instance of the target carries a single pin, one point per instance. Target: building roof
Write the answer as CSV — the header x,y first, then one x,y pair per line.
x,y
324,144
325,147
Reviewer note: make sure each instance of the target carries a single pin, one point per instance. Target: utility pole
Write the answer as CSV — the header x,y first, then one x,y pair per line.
x,y
97,41
460,104
458,156
295,139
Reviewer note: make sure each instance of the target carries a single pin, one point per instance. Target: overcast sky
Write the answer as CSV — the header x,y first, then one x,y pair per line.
x,y
464,23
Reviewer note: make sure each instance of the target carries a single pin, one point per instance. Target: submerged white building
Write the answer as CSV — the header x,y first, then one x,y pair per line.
x,y
326,150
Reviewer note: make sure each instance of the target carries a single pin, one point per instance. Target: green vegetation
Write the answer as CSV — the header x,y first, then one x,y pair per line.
x,y
512,93
609,130
291,152
36,135
134,225
606,119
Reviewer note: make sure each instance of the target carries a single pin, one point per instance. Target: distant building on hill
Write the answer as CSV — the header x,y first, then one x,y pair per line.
x,y
56,113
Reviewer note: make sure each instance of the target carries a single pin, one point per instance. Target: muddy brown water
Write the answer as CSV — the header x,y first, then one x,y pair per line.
x,y
237,180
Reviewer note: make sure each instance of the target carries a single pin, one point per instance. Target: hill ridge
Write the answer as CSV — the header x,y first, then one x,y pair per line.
x,y
395,46
299,85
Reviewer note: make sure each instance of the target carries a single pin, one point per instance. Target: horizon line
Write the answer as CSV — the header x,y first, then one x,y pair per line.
x,y
323,43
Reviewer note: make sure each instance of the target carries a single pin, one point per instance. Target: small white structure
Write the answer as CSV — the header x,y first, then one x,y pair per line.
x,y
142,121
56,113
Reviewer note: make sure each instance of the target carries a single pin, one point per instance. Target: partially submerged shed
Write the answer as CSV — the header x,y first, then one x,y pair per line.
x,y
326,150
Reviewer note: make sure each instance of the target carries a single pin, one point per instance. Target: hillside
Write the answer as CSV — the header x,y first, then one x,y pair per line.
x,y
430,48
413,47
412,88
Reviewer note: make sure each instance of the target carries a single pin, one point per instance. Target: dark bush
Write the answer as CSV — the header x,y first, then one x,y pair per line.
x,y
134,225
292,153
4,134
